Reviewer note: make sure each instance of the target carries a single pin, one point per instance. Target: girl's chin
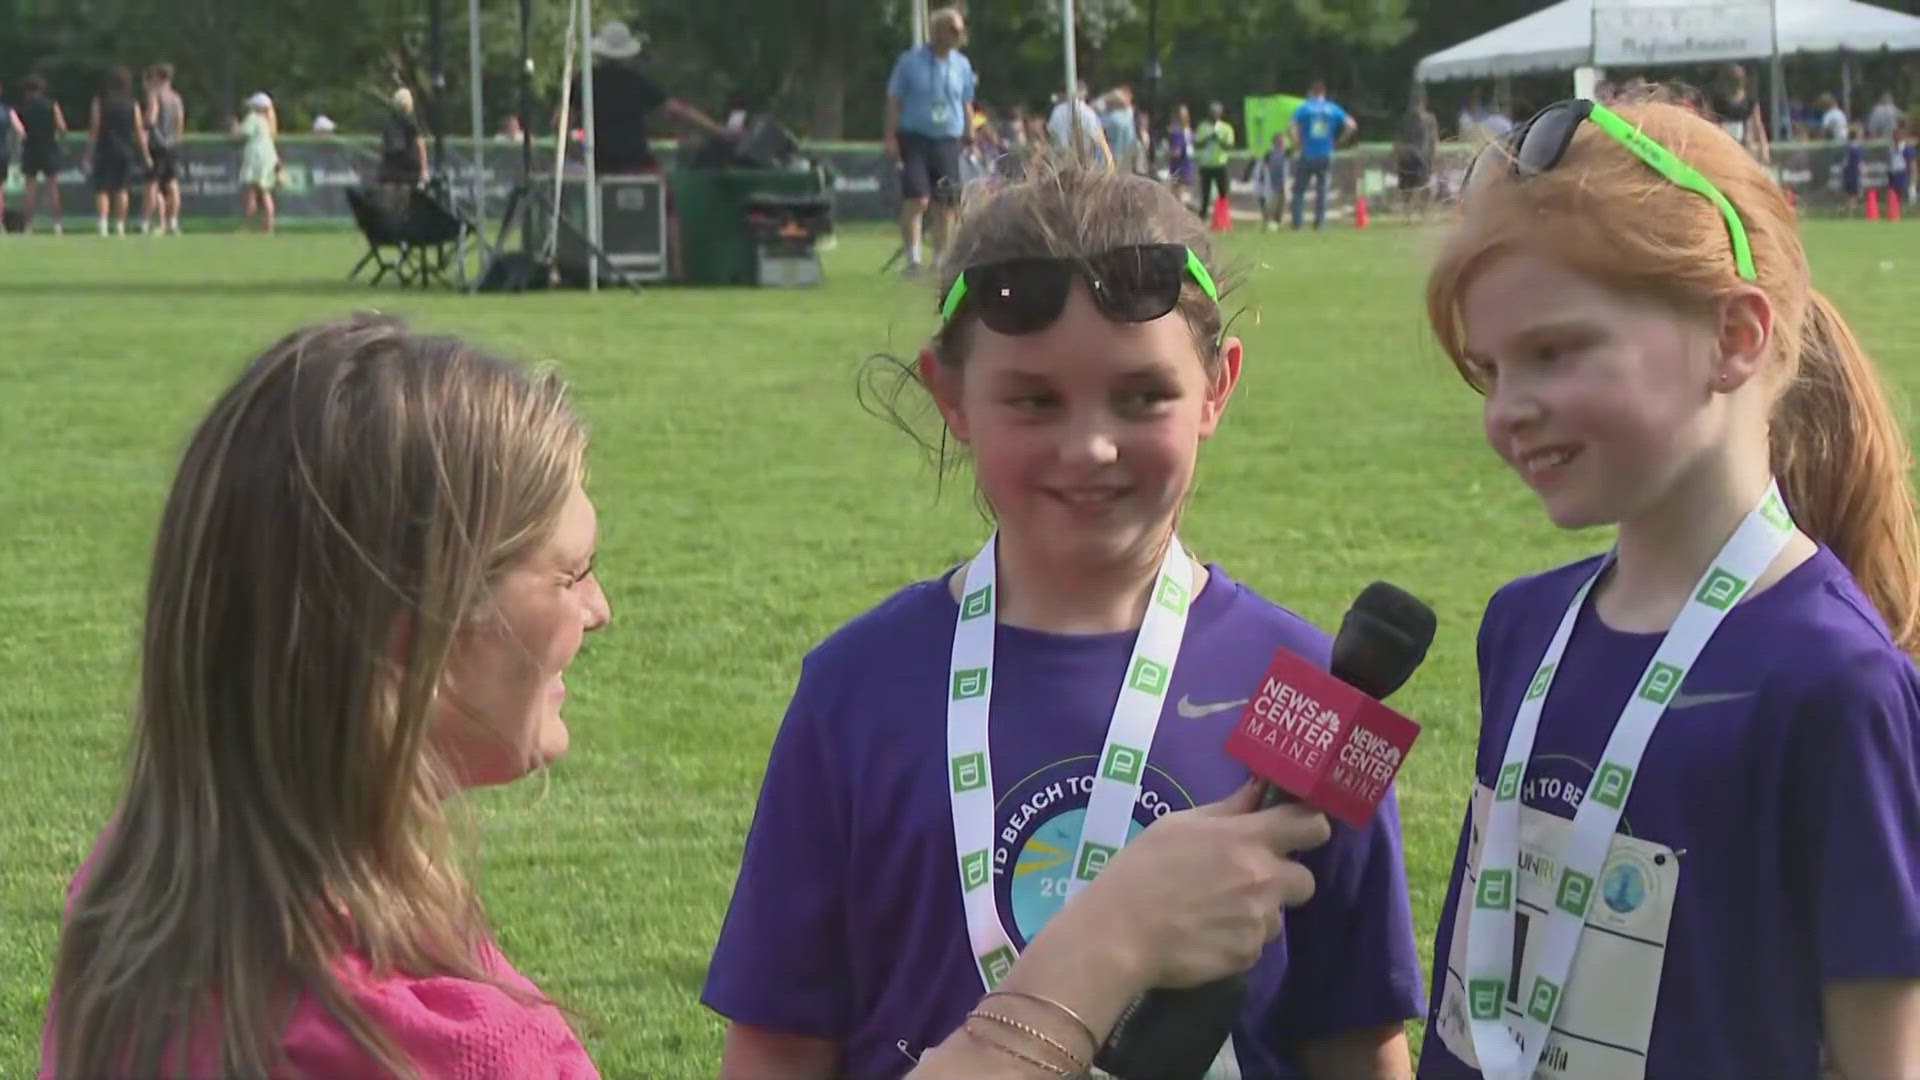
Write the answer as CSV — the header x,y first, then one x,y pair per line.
x,y
553,740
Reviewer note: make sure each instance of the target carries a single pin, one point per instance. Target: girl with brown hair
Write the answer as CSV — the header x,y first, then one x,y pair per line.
x,y
959,763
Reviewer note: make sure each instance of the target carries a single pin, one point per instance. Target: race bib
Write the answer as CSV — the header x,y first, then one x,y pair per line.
x,y
1605,1019
940,112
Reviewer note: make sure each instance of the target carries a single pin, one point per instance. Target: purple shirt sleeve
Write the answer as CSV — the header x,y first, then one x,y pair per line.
x,y
1351,960
1856,812
780,962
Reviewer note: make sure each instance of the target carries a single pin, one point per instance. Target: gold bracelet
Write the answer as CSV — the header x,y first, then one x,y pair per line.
x,y
1035,1034
1093,1040
1014,1053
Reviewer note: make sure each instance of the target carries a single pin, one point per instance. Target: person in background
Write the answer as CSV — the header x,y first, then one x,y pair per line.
x,y
1212,147
1122,133
165,117
511,130
1180,170
1270,180
116,155
45,124
1143,134
1833,119
1416,146
12,132
259,160
403,146
929,94
324,125
1852,165
1075,131
1900,164
1884,118
1319,126
1738,113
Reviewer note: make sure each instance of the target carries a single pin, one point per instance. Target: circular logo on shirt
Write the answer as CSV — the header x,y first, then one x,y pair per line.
x,y
1040,819
1627,884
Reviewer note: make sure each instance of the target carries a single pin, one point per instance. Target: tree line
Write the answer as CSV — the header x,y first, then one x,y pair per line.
x,y
820,66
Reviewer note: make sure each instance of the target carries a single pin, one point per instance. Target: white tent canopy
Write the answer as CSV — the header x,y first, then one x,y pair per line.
x,y
1560,38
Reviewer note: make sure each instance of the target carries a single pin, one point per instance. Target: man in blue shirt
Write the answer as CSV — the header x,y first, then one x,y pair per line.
x,y
929,98
1318,125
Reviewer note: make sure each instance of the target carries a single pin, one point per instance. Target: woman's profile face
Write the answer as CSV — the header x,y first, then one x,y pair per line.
x,y
501,698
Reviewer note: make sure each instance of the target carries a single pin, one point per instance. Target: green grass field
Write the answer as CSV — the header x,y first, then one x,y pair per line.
x,y
748,505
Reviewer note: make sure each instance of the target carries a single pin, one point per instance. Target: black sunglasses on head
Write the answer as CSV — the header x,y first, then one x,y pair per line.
x,y
1137,283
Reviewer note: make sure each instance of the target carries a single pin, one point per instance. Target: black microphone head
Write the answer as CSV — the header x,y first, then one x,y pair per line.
x,y
1382,639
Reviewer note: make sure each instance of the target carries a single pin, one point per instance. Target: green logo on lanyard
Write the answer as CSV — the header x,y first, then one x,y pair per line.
x,y
1149,677
1610,784
996,964
973,870
977,603
1170,595
1720,590
969,683
1123,764
1546,998
1775,512
1576,892
1661,681
1496,890
1484,997
969,771
1509,781
1540,680
1093,859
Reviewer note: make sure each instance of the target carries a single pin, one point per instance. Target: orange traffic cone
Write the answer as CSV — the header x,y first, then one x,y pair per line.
x,y
1222,215
1873,204
1360,210
1893,204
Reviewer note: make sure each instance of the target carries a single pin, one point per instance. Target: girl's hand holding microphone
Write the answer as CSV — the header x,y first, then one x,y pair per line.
x,y
1194,898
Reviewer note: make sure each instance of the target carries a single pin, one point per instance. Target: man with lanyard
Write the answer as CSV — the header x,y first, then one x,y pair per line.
x,y
1318,125
1212,141
929,97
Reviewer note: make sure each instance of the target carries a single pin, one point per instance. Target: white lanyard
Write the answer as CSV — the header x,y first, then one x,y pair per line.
x,y
1753,547
1122,763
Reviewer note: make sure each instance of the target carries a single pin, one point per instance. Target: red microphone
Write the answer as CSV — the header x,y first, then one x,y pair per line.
x,y
1318,737
1321,740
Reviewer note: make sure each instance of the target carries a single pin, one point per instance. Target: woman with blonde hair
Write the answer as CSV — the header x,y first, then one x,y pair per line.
x,y
373,568
1693,848
259,159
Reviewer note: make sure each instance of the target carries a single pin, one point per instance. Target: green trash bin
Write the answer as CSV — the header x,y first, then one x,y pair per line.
x,y
717,244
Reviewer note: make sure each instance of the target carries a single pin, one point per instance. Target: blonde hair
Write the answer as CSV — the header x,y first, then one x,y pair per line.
x,y
339,512
1836,447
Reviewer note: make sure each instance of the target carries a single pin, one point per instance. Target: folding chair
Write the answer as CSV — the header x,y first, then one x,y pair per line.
x,y
381,231
430,238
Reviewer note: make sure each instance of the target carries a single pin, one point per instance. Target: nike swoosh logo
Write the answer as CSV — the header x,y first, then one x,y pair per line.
x,y
1684,700
1190,710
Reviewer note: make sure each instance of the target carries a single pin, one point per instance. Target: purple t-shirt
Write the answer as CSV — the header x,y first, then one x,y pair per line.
x,y
847,922
1785,774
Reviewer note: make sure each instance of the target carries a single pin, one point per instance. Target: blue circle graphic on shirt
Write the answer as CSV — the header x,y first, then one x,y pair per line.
x,y
1038,830
1625,887
1042,868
